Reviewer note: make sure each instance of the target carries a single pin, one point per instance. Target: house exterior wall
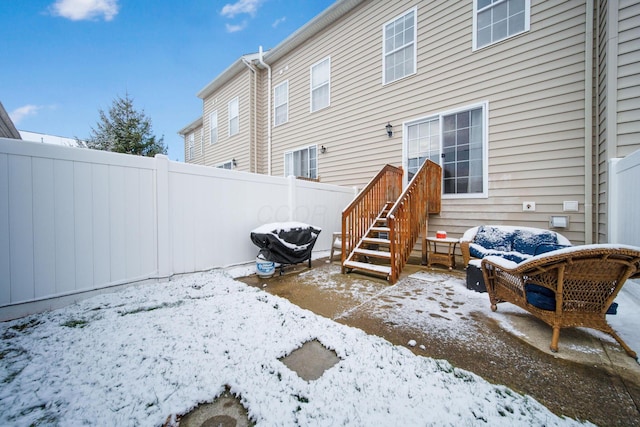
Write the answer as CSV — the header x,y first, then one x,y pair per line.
x,y
539,135
618,106
228,147
628,79
533,85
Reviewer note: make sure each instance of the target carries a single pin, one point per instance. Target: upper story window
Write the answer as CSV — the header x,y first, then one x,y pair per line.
x,y
234,117
302,163
495,20
213,127
320,84
191,142
281,103
399,47
457,141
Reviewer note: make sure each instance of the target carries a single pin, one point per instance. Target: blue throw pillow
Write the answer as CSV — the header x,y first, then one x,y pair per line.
x,y
493,238
526,242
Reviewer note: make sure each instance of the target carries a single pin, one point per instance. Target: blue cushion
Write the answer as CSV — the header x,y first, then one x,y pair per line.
x,y
547,247
541,301
514,256
545,298
475,252
493,238
530,287
526,242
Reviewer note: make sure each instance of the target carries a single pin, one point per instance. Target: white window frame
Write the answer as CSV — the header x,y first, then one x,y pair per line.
x,y
494,4
312,172
234,116
327,83
413,42
213,127
485,147
191,142
281,104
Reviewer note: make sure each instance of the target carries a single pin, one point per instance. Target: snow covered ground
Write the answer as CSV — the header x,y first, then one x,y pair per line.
x,y
149,352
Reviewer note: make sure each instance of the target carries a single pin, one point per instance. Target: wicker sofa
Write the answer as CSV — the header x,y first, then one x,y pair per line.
x,y
571,287
516,244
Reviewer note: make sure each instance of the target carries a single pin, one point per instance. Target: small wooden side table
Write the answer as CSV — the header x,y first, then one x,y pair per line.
x,y
447,258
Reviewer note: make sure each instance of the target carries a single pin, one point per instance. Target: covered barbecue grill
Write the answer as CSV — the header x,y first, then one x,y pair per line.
x,y
285,243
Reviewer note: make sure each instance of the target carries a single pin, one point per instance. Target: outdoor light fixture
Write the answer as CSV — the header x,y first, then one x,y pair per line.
x,y
389,128
234,163
323,149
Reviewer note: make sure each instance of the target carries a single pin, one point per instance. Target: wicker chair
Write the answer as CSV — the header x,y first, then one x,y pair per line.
x,y
581,281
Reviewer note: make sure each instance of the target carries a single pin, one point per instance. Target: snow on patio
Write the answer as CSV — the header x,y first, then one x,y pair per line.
x,y
149,352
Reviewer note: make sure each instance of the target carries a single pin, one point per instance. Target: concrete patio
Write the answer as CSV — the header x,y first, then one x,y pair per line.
x,y
431,312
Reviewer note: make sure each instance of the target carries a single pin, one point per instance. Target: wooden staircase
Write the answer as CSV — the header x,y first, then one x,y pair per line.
x,y
374,246
382,224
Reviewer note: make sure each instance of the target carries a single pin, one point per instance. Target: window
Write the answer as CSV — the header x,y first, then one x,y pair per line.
x,y
423,142
399,47
213,127
191,142
495,20
226,165
320,84
234,117
302,162
457,141
281,103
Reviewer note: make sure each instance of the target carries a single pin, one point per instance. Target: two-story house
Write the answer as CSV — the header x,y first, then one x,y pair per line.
x,y
522,103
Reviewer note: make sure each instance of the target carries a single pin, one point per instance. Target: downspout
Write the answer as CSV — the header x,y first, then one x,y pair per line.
x,y
588,125
268,110
255,114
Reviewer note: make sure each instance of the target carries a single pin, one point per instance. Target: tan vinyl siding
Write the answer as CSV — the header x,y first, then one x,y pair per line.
x,y
198,157
237,146
628,112
533,84
601,119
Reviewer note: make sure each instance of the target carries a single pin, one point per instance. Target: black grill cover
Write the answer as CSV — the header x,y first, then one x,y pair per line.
x,y
286,242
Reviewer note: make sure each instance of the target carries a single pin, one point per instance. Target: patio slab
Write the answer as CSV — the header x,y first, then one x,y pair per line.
x,y
431,312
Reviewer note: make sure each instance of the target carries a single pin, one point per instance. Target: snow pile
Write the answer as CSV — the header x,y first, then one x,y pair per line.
x,y
146,353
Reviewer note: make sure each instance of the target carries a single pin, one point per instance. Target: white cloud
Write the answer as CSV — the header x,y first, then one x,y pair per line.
x,y
278,21
20,113
241,6
236,28
78,10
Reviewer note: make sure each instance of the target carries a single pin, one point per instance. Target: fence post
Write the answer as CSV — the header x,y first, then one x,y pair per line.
x,y
612,211
165,265
292,197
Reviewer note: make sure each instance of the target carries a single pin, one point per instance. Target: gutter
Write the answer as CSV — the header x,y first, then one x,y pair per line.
x,y
254,114
269,124
588,125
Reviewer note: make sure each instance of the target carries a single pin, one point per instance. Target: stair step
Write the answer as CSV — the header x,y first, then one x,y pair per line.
x,y
381,229
375,254
375,268
376,240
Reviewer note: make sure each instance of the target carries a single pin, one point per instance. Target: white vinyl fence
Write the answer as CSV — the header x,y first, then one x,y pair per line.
x,y
624,200
76,221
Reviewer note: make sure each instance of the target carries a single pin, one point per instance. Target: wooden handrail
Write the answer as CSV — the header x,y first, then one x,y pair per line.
x,y
365,207
408,217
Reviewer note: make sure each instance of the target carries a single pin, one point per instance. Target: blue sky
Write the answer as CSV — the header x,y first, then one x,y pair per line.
x,y
64,60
